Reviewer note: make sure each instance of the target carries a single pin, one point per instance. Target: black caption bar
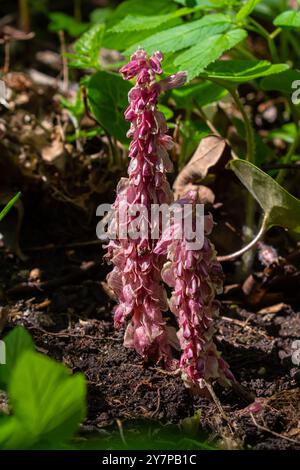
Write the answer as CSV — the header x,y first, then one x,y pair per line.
x,y
150,459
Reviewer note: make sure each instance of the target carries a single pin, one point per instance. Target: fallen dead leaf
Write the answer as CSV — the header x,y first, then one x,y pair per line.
x,y
273,308
207,155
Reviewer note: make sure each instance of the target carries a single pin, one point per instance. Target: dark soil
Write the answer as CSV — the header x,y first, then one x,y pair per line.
x,y
72,322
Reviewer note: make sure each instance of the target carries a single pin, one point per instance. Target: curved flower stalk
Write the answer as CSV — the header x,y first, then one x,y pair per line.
x,y
196,277
136,277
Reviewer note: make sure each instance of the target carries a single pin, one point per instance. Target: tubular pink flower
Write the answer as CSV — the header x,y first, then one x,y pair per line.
x,y
136,277
195,277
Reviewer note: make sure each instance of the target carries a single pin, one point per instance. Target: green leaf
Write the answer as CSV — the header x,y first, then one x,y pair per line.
x,y
8,206
240,71
282,82
87,48
139,23
288,19
186,35
196,59
200,93
16,343
62,22
280,207
108,97
142,8
246,10
46,400
121,41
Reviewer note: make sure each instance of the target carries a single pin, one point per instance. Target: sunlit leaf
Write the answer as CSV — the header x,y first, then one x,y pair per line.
x,y
240,71
16,343
288,19
87,48
186,35
139,23
246,10
196,59
46,400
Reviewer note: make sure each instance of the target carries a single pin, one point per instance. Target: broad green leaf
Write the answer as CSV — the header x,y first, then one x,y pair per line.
x,y
87,48
108,97
121,41
139,23
288,19
46,400
246,10
279,206
282,82
16,343
142,8
186,35
196,59
62,22
8,206
201,94
240,71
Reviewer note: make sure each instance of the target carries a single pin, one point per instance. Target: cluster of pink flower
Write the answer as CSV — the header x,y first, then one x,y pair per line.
x,y
139,263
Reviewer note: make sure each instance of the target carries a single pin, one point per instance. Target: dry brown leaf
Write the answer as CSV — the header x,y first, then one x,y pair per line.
x,y
273,308
208,153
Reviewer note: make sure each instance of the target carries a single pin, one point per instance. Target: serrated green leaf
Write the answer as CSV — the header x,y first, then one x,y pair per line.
x,y
288,19
196,59
139,23
87,48
240,71
246,10
46,400
8,206
121,41
61,22
279,206
186,35
16,343
108,97
282,82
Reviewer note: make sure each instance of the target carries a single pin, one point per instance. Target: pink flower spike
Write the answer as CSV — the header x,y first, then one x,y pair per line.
x,y
136,276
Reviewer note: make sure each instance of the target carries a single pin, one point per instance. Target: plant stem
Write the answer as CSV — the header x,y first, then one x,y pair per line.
x,y
242,251
24,16
250,157
258,28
